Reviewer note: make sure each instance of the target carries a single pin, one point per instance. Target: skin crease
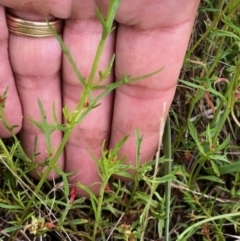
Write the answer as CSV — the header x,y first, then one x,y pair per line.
x,y
146,39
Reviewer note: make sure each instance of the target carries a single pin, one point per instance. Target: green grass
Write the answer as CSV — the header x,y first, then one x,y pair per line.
x,y
192,193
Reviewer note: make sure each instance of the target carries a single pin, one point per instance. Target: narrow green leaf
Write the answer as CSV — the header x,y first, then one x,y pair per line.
x,y
68,55
215,168
210,178
226,169
9,207
76,222
12,229
224,144
193,133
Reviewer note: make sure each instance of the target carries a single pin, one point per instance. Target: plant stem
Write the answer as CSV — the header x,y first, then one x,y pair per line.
x,y
78,114
167,149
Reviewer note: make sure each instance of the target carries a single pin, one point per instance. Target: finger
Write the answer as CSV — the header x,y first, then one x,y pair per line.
x,y
82,38
36,65
141,105
44,8
13,111
144,14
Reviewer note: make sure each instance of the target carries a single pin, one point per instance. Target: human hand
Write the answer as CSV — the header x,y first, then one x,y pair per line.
x,y
149,36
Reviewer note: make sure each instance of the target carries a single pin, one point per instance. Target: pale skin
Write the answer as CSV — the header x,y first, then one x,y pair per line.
x,y
150,35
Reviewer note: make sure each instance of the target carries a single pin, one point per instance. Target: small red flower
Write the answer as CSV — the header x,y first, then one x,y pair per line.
x,y
50,225
73,194
108,189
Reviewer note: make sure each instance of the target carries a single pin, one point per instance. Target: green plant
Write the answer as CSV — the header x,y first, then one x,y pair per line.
x,y
193,198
